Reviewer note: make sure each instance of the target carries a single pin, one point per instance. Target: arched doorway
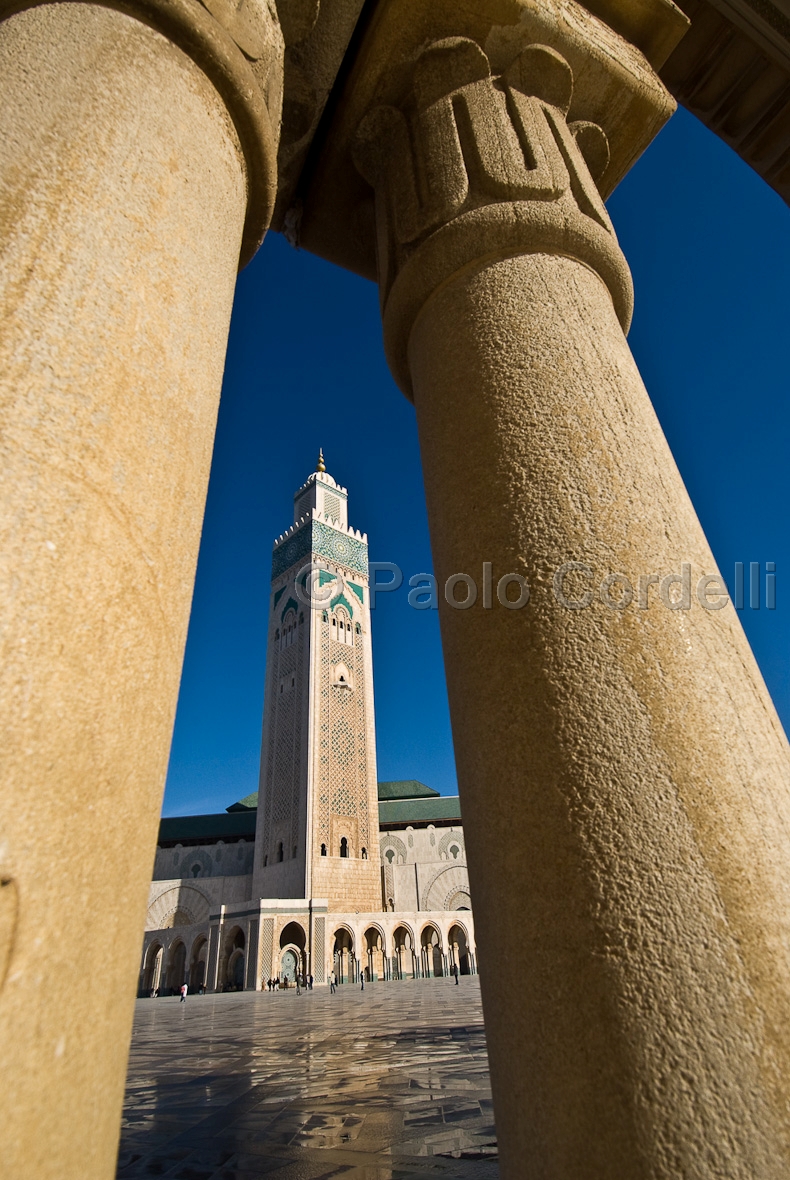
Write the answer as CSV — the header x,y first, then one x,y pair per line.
x,y
460,901
403,965
177,967
293,957
197,964
236,971
343,961
432,960
459,950
152,972
374,952
289,965
234,955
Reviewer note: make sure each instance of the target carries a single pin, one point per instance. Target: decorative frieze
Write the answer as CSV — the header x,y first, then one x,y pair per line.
x,y
344,546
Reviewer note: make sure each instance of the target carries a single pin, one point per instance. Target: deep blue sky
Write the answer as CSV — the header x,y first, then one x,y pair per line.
x,y
709,247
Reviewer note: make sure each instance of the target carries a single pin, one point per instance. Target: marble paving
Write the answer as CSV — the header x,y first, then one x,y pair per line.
x,y
386,1084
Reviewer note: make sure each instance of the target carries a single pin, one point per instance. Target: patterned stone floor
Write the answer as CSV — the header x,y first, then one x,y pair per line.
x,y
385,1084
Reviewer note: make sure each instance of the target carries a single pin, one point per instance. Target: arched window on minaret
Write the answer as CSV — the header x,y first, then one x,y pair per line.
x,y
289,630
341,676
342,629
344,846
279,852
323,849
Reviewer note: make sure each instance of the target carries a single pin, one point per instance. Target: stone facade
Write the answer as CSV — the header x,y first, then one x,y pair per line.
x,y
318,755
324,869
425,869
421,924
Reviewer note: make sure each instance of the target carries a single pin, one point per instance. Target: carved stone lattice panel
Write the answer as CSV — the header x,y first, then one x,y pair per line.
x,y
281,805
319,940
343,787
446,842
267,945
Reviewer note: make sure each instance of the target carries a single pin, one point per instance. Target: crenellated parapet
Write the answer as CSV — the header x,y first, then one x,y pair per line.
x,y
326,538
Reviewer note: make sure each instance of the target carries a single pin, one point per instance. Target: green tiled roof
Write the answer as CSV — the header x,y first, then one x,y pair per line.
x,y
248,803
405,812
239,820
198,829
407,788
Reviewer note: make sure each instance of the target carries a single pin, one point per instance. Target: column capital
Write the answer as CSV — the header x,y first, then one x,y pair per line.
x,y
466,133
240,49
476,167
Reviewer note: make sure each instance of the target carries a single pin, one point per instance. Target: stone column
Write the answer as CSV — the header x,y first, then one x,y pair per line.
x,y
253,980
138,165
623,775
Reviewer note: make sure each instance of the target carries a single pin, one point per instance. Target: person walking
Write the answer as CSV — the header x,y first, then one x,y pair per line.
x,y
362,977
455,973
309,983
332,983
298,981
184,990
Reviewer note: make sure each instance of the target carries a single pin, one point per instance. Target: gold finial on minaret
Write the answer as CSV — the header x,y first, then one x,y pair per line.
x,y
320,467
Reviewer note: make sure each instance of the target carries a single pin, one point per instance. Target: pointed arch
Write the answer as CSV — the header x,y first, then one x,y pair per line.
x,y
291,604
341,600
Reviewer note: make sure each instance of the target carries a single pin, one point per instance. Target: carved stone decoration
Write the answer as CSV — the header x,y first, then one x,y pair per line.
x,y
476,166
247,22
9,913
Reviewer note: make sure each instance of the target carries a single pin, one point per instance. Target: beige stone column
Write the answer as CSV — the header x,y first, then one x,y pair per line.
x,y
623,775
138,161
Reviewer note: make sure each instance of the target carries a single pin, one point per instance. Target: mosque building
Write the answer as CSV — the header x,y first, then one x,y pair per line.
x,y
324,869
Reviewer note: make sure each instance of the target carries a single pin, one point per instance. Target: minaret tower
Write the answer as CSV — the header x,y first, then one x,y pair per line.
x,y
317,832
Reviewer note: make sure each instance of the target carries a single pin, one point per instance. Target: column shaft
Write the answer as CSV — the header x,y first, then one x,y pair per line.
x,y
623,774
122,203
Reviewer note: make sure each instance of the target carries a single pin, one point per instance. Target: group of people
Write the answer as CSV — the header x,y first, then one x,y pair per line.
x,y
300,982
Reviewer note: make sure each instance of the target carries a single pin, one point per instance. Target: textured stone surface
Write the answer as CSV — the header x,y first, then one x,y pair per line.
x,y
624,770
122,193
385,1084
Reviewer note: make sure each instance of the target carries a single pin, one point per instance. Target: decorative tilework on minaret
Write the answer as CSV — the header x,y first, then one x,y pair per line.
x,y
317,832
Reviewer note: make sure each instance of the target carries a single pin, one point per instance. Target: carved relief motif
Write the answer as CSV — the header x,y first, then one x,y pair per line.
x,y
466,143
9,911
247,21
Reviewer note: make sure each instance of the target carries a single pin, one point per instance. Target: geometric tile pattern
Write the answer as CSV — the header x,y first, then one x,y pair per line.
x,y
386,1084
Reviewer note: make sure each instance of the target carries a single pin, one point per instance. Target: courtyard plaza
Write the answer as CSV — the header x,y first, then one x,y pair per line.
x,y
381,1084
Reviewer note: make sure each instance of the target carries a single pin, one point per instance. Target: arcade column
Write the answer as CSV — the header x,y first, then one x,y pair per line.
x,y
623,774
138,170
